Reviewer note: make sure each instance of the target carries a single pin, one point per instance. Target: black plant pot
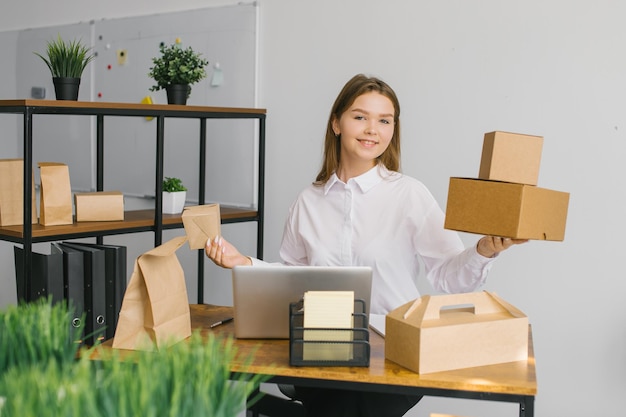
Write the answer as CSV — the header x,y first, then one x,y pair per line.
x,y
66,88
177,93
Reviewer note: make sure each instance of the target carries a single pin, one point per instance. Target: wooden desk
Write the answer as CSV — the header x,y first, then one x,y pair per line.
x,y
508,382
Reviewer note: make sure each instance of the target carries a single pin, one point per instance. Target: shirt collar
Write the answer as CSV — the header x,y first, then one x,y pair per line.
x,y
365,181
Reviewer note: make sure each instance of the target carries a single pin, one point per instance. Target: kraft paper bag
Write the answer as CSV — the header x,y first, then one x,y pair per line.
x,y
201,224
55,194
155,309
12,193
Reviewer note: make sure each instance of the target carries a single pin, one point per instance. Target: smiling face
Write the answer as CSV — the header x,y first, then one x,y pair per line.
x,y
365,130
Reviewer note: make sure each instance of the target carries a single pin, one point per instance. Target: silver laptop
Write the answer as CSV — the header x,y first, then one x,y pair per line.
x,y
261,294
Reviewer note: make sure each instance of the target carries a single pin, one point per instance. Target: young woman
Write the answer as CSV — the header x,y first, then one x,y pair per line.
x,y
362,211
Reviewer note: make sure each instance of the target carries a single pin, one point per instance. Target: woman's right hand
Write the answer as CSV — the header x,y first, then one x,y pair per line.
x,y
223,254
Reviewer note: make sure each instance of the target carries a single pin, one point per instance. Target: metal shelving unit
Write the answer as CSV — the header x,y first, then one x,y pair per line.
x,y
138,220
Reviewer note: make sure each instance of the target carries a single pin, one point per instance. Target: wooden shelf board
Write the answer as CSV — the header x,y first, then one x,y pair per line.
x,y
116,106
133,220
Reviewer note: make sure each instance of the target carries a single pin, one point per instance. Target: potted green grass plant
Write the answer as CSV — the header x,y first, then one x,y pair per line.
x,y
37,332
174,195
189,379
175,70
66,61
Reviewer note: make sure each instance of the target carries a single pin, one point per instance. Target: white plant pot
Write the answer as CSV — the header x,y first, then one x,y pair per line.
x,y
173,203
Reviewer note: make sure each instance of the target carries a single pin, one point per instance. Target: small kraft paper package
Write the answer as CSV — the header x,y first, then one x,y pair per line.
x,y
55,194
201,224
12,193
155,309
455,331
99,206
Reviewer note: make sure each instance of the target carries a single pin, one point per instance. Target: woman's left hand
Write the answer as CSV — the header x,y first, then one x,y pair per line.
x,y
490,246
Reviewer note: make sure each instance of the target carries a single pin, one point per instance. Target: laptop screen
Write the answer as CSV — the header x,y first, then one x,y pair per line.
x,y
262,294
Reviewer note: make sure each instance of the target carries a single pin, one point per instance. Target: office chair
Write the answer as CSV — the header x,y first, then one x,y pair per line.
x,y
272,406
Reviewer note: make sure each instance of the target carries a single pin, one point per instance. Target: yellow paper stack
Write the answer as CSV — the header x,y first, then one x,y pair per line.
x,y
326,310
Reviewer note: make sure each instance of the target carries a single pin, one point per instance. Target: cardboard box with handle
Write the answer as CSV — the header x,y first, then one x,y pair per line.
x,y
453,331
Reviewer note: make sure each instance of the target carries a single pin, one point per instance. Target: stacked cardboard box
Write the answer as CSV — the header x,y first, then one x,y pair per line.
x,y
504,200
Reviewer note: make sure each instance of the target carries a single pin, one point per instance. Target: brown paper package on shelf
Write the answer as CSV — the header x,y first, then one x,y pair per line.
x,y
12,193
99,206
55,198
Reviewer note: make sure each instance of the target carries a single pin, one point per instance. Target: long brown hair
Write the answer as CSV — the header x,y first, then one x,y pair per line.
x,y
358,85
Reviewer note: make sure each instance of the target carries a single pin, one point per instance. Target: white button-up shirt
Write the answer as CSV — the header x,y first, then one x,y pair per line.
x,y
389,222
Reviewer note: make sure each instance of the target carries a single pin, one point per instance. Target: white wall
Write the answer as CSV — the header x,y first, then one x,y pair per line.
x,y
555,69
9,146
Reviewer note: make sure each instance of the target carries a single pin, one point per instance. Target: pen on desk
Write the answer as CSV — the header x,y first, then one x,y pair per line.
x,y
217,323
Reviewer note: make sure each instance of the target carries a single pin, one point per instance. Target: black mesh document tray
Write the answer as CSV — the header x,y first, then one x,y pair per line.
x,y
328,346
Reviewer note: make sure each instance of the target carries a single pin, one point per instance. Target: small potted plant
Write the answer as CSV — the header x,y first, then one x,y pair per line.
x,y
66,61
175,70
174,194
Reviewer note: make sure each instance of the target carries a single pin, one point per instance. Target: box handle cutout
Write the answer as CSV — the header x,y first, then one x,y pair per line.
x,y
482,302
470,308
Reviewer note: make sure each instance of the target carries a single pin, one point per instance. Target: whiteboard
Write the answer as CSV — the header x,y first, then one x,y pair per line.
x,y
226,37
